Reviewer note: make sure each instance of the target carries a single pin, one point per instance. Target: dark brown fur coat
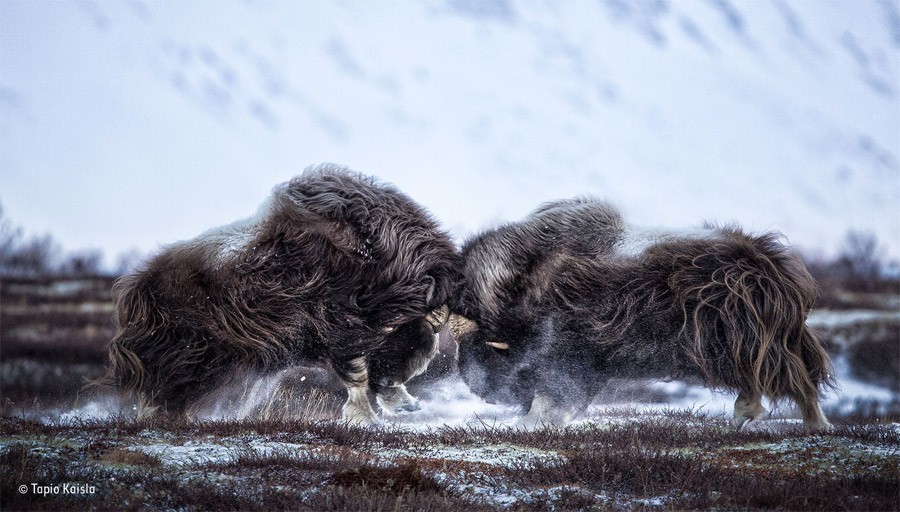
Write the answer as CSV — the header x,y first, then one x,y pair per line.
x,y
571,297
335,266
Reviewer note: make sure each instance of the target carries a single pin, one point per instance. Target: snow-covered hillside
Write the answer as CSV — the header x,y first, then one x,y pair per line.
x,y
130,124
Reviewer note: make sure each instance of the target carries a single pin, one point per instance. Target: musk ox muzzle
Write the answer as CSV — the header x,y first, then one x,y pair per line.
x,y
334,266
554,306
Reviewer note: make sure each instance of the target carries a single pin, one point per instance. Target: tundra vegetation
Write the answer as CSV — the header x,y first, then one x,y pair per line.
x,y
270,444
676,460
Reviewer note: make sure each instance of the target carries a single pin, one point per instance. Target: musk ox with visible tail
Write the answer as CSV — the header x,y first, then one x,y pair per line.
x,y
554,306
334,266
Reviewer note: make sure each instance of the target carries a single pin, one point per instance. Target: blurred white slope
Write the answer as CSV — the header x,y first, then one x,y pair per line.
x,y
131,123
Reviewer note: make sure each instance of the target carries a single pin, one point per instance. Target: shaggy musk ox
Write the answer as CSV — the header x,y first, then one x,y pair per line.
x,y
554,306
334,266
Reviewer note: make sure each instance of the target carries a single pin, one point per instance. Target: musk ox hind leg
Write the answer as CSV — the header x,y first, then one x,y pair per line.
x,y
354,372
813,417
167,370
748,407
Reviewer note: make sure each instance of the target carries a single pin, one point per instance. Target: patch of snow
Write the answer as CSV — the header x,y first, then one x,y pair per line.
x,y
851,390
838,451
99,409
96,307
44,309
556,493
773,425
830,319
216,450
692,397
62,288
450,402
499,495
222,406
232,238
191,452
657,501
495,455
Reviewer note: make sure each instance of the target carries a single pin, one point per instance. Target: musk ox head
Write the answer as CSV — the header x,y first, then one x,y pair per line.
x,y
335,265
498,314
570,297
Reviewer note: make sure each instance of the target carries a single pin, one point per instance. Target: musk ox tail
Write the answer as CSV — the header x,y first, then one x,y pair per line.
x,y
745,302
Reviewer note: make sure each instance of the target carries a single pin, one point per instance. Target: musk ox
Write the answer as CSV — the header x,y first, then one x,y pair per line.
x,y
334,266
554,306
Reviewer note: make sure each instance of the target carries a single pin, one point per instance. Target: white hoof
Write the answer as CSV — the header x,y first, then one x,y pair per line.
x,y
544,413
396,400
358,416
356,410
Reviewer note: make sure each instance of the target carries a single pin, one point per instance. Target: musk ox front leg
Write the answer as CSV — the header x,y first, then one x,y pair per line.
x,y
567,374
396,399
405,354
354,373
545,410
560,398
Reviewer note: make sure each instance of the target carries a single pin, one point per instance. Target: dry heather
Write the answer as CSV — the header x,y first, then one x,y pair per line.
x,y
662,462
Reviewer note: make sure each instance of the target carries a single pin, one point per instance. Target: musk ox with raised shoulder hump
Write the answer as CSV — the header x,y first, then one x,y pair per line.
x,y
334,266
554,306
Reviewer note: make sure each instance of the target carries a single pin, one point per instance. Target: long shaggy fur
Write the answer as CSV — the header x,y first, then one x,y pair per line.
x,y
571,297
334,266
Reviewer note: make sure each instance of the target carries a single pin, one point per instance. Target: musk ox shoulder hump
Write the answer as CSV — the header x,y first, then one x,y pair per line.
x,y
584,225
333,191
495,259
348,204
578,212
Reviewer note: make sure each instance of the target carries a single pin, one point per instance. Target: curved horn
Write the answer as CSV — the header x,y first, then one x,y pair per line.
x,y
498,344
460,325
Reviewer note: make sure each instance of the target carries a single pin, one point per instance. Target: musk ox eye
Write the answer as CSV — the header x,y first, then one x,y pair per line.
x,y
389,329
